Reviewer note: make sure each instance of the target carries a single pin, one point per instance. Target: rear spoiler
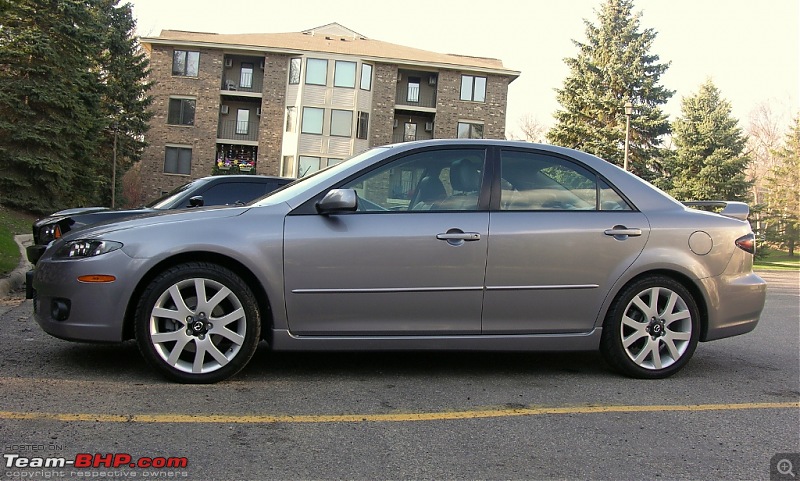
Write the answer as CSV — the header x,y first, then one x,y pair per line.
x,y
736,210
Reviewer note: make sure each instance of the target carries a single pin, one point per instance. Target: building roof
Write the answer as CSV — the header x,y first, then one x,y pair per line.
x,y
332,38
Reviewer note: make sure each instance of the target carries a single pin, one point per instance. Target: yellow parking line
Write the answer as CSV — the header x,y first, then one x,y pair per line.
x,y
388,417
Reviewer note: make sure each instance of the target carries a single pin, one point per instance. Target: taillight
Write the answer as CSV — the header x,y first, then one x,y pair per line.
x,y
747,243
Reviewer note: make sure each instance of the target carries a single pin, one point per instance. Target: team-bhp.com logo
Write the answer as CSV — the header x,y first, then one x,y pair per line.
x,y
96,460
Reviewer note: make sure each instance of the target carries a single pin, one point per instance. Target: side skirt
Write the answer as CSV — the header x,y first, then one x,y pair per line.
x,y
283,340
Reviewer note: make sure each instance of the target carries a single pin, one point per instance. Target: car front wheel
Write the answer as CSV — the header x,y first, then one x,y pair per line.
x,y
197,323
651,329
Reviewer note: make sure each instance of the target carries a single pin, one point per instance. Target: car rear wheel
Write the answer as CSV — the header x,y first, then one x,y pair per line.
x,y
652,328
197,323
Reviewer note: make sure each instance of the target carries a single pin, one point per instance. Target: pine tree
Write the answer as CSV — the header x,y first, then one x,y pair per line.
x,y
48,103
710,161
68,74
124,102
783,194
613,67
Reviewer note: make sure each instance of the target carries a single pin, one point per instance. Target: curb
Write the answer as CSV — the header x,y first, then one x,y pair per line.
x,y
16,279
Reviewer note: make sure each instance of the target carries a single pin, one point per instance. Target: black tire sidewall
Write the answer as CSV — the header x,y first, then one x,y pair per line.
x,y
611,341
214,272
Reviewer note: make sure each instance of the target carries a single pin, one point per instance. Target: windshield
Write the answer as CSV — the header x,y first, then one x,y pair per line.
x,y
309,182
165,200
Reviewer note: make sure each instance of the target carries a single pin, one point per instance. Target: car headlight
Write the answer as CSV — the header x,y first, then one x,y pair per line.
x,y
49,233
85,248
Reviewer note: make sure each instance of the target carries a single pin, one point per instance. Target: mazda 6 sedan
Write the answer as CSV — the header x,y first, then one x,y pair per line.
x,y
444,244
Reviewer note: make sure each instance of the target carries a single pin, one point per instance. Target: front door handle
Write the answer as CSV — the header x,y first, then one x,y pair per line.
x,y
620,232
463,236
457,237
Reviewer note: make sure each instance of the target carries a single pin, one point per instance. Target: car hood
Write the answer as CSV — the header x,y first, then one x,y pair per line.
x,y
77,210
150,218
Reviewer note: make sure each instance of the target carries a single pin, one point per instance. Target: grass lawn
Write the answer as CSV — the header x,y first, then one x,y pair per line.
x,y
777,260
12,223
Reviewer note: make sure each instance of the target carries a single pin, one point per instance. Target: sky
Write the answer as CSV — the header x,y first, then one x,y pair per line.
x,y
750,49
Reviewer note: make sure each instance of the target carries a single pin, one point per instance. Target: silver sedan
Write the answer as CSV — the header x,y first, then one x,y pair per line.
x,y
446,244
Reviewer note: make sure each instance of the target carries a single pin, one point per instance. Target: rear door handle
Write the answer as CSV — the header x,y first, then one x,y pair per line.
x,y
620,231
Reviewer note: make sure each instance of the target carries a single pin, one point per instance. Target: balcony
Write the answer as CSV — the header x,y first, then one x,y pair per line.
x,y
237,130
247,84
416,97
416,90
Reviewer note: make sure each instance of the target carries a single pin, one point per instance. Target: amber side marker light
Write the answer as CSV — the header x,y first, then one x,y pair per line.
x,y
95,278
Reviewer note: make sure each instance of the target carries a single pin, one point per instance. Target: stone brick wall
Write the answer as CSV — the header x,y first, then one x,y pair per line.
x,y
382,116
201,137
273,107
450,108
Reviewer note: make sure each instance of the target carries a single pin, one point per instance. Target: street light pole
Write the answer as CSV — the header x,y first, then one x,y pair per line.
x,y
628,113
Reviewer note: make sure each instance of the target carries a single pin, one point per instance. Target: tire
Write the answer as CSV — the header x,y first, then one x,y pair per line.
x,y
194,339
651,329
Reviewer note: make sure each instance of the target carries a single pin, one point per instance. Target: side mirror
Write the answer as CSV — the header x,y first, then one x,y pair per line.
x,y
338,200
196,201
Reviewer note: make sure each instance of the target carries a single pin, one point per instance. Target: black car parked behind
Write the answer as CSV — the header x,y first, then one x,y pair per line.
x,y
214,190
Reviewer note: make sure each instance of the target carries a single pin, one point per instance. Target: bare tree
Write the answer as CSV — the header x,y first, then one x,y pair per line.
x,y
765,134
530,130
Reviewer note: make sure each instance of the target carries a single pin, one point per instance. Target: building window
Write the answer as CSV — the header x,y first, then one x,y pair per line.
x,y
291,119
308,165
185,64
316,71
294,70
246,76
473,88
288,166
362,128
344,74
178,160
413,89
312,120
410,132
342,123
181,111
468,130
366,76
242,121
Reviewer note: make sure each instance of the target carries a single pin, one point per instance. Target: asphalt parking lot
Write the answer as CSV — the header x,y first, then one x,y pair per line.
x,y
404,415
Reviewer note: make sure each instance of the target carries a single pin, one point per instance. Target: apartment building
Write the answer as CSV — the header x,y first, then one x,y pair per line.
x,y
290,104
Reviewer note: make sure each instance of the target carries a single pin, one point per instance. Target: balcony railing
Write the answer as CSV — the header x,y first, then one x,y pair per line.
x,y
235,130
416,97
242,83
398,138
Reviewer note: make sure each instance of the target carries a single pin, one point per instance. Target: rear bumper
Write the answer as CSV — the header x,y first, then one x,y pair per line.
x,y
735,306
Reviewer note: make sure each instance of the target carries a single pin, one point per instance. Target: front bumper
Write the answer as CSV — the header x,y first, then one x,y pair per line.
x,y
69,309
30,292
34,252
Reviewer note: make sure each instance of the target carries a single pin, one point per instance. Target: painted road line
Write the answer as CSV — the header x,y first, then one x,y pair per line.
x,y
382,418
